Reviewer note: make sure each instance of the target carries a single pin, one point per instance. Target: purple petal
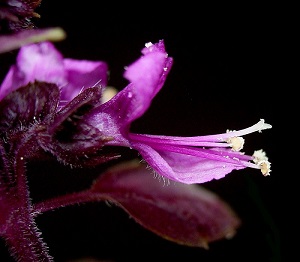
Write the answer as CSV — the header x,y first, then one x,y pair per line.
x,y
35,62
44,63
82,74
184,168
147,76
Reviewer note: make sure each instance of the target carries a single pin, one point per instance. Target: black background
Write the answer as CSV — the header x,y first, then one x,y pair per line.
x,y
223,77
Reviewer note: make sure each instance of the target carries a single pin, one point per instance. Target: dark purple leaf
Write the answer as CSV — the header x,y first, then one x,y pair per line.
x,y
27,105
186,214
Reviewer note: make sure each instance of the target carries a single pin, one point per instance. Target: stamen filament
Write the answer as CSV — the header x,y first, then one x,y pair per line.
x,y
170,141
230,157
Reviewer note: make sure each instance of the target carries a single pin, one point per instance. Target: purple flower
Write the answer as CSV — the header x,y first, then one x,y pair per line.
x,y
186,159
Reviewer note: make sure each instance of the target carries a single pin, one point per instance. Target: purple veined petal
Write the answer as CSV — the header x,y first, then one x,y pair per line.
x,y
40,62
186,214
44,63
82,74
111,117
185,168
147,76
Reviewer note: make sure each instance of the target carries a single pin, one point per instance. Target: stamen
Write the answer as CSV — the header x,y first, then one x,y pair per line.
x,y
265,167
170,140
259,155
212,146
260,158
223,156
237,143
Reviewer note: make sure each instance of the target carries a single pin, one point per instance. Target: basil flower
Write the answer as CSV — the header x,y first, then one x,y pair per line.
x,y
185,159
